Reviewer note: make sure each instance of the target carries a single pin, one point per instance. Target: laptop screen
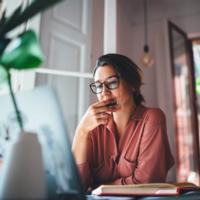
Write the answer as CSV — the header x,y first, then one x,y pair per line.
x,y
42,114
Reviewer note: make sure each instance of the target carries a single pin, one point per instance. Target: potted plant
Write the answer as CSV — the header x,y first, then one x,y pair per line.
x,y
21,53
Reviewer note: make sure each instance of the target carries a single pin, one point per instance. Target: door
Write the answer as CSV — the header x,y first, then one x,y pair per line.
x,y
185,116
65,34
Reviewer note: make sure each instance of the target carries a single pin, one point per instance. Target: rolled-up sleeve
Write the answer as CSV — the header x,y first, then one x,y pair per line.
x,y
85,173
85,169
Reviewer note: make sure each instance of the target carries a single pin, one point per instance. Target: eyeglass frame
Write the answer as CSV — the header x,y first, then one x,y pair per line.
x,y
104,83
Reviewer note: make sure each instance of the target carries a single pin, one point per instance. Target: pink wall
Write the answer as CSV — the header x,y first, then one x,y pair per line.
x,y
97,30
130,34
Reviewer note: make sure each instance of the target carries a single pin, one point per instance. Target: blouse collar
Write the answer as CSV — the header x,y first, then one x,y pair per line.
x,y
137,115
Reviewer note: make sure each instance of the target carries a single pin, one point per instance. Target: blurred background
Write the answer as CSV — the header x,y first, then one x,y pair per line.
x,y
75,32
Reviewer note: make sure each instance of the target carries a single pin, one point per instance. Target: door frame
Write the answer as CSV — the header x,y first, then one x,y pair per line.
x,y
194,120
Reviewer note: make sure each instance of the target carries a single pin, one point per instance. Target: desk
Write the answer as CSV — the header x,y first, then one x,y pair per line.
x,y
91,197
192,195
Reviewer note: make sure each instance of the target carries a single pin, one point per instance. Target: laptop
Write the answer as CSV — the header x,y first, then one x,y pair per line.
x,y
42,114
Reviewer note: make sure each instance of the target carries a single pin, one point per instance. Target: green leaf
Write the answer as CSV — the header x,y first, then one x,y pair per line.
x,y
14,16
19,17
22,52
3,18
3,43
197,85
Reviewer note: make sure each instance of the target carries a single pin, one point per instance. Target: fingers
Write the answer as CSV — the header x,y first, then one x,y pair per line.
x,y
97,114
102,122
99,107
100,103
103,118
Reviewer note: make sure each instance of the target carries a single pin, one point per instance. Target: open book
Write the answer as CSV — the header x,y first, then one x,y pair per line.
x,y
145,189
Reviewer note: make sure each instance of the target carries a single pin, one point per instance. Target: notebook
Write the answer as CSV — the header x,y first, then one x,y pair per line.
x,y
146,189
42,114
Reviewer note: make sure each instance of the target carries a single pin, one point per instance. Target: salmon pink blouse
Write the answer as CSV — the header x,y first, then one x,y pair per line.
x,y
141,155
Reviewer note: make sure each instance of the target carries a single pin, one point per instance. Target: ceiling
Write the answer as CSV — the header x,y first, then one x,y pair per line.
x,y
159,9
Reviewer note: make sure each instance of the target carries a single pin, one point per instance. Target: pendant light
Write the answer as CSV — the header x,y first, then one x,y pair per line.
x,y
146,59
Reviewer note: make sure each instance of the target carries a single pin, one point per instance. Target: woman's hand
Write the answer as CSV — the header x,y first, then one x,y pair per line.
x,y
96,115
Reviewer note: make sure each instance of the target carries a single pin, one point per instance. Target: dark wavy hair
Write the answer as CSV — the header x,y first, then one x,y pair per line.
x,y
126,69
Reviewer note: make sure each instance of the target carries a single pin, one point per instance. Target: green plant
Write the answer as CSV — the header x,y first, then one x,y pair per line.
x,y
22,52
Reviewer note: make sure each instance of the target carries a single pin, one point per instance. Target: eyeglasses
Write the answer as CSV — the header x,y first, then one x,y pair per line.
x,y
111,83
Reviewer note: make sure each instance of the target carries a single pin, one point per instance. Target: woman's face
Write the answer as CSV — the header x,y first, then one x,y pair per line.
x,y
122,94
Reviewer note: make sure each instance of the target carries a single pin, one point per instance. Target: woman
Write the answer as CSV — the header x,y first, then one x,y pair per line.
x,y
120,141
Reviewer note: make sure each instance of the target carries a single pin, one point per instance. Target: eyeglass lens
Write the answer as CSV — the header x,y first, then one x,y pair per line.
x,y
111,84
